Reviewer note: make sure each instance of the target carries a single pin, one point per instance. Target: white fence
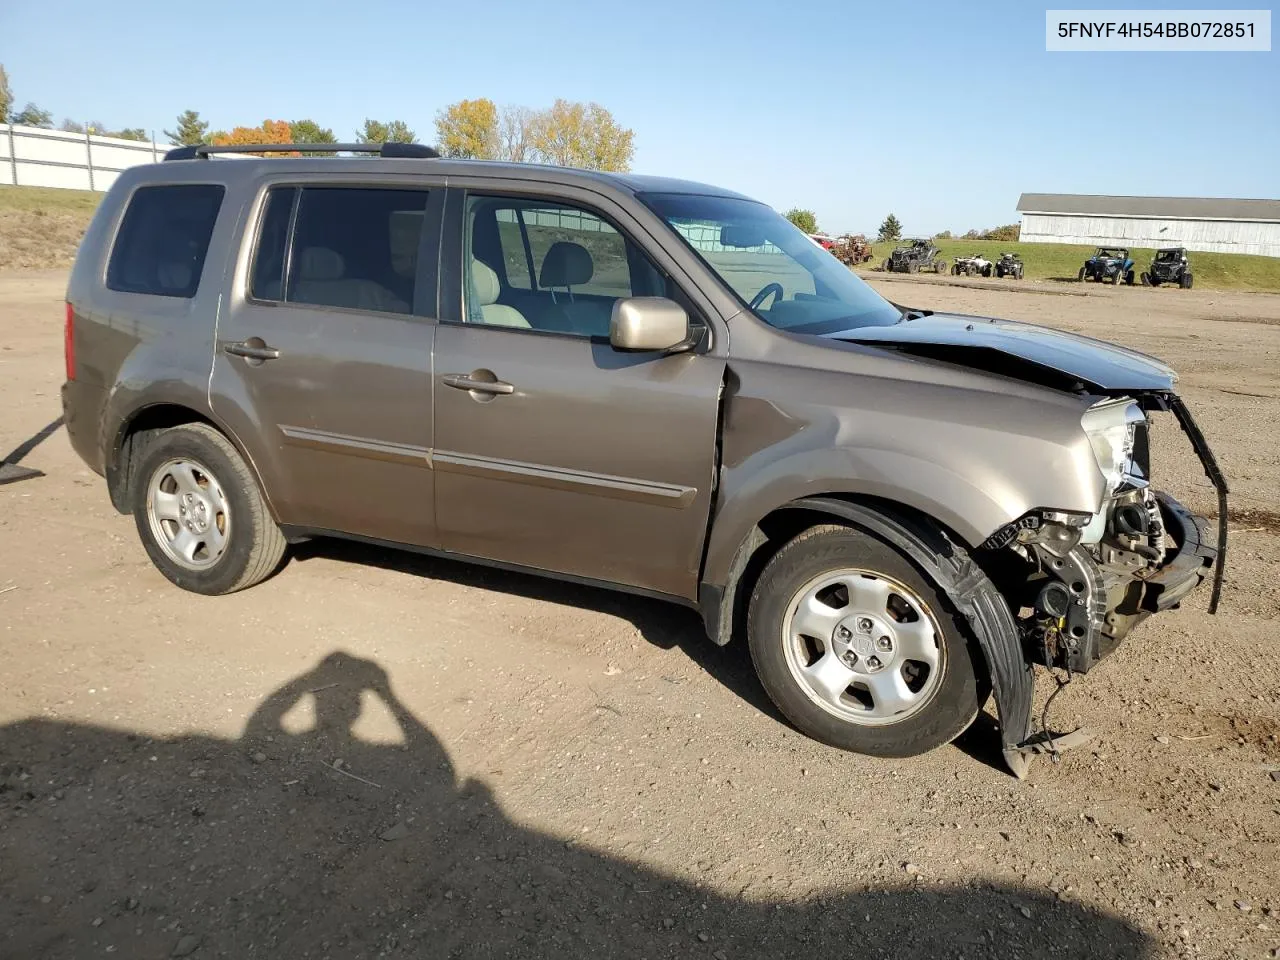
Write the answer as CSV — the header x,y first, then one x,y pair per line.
x,y
33,157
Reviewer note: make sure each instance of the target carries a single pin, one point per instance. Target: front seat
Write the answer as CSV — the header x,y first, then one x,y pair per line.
x,y
568,265
484,301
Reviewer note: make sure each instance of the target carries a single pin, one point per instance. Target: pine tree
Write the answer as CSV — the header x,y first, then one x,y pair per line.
x,y
891,229
191,130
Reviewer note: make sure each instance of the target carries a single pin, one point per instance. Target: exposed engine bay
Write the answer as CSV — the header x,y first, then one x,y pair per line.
x,y
1080,583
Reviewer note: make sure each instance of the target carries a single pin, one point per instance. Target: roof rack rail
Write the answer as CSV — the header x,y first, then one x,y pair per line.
x,y
202,151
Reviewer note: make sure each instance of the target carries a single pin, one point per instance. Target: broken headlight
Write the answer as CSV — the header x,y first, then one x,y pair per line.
x,y
1112,429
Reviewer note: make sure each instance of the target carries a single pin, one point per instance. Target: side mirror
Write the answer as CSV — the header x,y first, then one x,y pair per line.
x,y
647,324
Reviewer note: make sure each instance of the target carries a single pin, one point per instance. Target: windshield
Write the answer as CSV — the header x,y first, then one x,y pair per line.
x,y
1114,253
775,269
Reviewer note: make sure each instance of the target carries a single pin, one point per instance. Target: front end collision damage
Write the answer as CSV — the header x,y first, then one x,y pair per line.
x,y
994,605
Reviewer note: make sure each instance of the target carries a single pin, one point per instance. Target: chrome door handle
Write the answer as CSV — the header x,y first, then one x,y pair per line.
x,y
462,381
252,351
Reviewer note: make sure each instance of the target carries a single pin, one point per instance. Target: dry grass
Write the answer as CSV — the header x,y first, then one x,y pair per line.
x,y
41,227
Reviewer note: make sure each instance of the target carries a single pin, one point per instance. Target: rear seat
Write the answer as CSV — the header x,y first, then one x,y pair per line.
x,y
321,279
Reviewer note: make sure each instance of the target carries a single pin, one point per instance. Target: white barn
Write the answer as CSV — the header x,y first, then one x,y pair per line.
x,y
1197,223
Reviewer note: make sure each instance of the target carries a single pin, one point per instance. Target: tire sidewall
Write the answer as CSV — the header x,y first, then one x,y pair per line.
x,y
181,443
954,703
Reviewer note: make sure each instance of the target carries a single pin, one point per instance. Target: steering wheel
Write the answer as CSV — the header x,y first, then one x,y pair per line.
x,y
768,288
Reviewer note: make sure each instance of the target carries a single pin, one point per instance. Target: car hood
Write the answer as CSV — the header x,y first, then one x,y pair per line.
x,y
1024,351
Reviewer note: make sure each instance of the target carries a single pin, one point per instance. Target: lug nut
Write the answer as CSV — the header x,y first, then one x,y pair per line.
x,y
850,658
873,663
864,624
885,644
843,633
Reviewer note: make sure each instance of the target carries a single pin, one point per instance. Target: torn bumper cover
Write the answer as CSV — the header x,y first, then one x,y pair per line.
x,y
1188,564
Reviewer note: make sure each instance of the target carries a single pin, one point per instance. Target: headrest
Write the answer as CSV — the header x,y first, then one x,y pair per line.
x,y
320,263
566,265
484,281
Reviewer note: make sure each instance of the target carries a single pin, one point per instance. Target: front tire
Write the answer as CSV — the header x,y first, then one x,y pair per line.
x,y
1081,275
858,648
200,515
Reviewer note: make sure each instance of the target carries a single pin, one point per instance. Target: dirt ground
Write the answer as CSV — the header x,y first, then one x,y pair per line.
x,y
381,755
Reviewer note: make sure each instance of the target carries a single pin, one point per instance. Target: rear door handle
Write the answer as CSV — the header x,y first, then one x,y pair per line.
x,y
252,349
462,381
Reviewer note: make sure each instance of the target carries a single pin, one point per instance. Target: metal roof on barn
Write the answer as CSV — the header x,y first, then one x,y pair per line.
x,y
1182,208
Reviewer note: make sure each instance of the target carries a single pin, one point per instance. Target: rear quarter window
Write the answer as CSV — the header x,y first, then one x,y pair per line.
x,y
163,240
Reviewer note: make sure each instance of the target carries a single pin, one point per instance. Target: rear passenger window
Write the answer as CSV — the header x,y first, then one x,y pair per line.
x,y
354,247
163,240
267,280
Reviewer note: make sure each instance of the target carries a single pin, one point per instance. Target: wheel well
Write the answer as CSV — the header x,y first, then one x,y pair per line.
x,y
774,531
132,438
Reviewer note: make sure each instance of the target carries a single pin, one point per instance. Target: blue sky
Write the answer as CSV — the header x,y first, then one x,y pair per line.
x,y
939,112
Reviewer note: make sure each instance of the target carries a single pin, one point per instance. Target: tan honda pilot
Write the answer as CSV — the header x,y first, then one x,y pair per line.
x,y
642,383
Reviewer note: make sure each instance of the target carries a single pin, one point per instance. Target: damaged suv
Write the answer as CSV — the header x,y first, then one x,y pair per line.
x,y
646,384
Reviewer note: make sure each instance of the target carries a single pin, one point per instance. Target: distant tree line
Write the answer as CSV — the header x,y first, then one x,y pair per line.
x,y
568,134
1009,232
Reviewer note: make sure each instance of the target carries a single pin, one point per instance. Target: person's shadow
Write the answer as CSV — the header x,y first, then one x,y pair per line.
x,y
317,843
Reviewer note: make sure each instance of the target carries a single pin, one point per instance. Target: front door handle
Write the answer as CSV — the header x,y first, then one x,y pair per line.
x,y
252,349
464,381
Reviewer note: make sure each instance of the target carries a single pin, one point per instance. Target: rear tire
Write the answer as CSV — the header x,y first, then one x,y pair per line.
x,y
1185,281
923,706
1128,278
200,515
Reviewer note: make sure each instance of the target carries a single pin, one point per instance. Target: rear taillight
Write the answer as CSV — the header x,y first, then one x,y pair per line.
x,y
69,342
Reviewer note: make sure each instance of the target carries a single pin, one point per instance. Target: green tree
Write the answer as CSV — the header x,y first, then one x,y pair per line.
x,y
891,229
393,131
944,235
805,220
130,133
6,95
582,135
468,129
33,116
308,131
190,130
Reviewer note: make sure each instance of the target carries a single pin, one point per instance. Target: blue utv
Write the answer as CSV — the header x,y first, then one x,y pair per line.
x,y
1109,263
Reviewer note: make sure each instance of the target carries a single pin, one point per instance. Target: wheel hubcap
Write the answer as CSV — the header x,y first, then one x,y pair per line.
x,y
188,513
863,646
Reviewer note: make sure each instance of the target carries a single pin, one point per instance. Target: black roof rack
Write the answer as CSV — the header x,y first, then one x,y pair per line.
x,y
202,151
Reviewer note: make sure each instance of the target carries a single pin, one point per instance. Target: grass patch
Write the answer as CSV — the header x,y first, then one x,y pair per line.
x,y
41,227
48,199
1062,261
